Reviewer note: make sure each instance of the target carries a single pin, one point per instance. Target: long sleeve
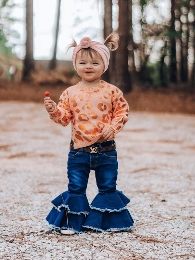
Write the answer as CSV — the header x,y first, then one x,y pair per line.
x,y
62,113
90,110
120,111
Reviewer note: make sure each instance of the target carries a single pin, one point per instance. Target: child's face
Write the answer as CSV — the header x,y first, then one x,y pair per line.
x,y
89,68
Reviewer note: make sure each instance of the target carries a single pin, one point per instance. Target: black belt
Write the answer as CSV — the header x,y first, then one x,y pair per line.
x,y
97,147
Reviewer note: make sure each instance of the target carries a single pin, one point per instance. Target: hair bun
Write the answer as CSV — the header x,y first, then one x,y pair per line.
x,y
112,41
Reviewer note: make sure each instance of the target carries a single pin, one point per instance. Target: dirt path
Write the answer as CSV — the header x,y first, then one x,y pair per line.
x,y
157,171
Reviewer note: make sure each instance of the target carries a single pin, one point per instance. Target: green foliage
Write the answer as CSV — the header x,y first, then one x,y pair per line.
x,y
6,7
8,59
172,35
7,3
152,74
143,3
4,3
184,2
5,50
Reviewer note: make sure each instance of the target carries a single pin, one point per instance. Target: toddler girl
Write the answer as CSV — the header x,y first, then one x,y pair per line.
x,y
97,111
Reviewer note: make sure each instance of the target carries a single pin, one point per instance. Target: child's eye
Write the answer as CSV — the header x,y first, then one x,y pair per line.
x,y
95,63
81,62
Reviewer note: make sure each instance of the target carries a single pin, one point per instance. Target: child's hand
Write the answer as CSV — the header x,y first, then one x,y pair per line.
x,y
49,104
108,134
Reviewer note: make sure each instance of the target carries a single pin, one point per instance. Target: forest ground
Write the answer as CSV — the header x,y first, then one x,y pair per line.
x,y
156,153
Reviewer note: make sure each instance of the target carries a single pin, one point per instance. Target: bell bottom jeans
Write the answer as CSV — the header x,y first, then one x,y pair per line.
x,y
104,164
107,211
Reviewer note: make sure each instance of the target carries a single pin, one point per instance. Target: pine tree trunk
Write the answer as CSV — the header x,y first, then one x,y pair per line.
x,y
192,34
173,59
107,18
193,68
123,80
107,76
53,60
28,63
131,42
184,45
163,78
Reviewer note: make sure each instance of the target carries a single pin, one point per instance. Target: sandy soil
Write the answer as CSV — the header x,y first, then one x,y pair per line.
x,y
156,170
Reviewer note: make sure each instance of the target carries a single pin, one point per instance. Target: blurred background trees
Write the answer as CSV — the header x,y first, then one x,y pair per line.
x,y
9,62
53,60
28,64
156,48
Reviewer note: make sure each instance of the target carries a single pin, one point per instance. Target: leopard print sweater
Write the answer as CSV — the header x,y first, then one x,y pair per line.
x,y
90,109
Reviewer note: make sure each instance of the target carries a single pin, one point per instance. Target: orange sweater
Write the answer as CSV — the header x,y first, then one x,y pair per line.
x,y
90,109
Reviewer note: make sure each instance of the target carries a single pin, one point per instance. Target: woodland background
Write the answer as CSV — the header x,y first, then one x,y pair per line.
x,y
154,64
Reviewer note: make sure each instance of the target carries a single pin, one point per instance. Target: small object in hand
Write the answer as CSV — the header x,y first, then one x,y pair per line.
x,y
46,94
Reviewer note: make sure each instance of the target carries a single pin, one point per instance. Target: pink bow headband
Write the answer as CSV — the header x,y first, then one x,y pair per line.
x,y
86,42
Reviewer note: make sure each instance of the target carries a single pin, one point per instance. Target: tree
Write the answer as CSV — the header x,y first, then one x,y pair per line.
x,y
107,18
192,41
131,42
184,31
162,66
4,49
172,35
122,75
107,30
28,64
53,60
144,47
6,19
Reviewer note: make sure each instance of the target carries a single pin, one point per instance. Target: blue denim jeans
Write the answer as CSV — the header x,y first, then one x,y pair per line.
x,y
108,210
104,164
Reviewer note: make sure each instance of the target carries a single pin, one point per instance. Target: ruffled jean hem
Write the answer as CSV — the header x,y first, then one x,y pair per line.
x,y
110,229
69,211
58,229
107,212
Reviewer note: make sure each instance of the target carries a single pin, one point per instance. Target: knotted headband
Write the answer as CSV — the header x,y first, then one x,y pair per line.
x,y
85,43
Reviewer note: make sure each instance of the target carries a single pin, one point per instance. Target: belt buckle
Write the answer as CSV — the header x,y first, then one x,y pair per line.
x,y
93,149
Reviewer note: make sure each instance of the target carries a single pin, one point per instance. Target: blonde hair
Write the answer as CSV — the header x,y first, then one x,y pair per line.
x,y
111,41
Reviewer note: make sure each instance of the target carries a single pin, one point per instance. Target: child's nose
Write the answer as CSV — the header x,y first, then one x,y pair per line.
x,y
88,65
